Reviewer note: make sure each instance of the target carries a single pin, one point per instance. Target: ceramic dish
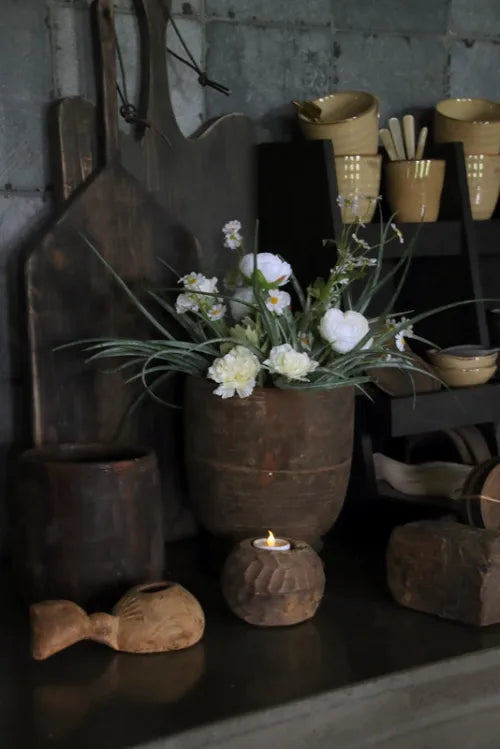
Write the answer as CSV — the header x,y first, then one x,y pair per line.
x,y
459,378
473,122
447,359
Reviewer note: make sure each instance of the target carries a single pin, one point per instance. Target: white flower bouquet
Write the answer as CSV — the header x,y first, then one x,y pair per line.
x,y
261,328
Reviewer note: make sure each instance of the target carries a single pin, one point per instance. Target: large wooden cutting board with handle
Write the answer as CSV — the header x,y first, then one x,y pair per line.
x,y
71,296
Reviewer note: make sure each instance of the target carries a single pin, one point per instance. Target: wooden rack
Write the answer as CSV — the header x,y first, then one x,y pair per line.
x,y
298,209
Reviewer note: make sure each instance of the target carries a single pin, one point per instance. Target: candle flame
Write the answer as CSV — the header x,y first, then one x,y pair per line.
x,y
270,541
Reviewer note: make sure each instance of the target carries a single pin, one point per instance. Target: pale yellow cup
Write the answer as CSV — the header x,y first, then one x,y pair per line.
x,y
473,122
358,182
413,189
483,180
349,119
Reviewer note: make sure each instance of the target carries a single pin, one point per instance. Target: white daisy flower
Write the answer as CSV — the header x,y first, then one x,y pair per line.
x,y
186,303
216,311
199,282
294,365
273,268
235,372
277,301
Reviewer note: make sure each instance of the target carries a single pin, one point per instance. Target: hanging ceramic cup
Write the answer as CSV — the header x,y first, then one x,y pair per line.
x,y
413,189
483,180
349,119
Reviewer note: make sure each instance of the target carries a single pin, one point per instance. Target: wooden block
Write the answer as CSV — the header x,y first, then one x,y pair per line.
x,y
448,569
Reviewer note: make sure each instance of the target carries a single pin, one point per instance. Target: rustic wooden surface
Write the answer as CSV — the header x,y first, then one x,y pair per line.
x,y
273,588
279,459
448,569
73,143
198,184
88,522
150,618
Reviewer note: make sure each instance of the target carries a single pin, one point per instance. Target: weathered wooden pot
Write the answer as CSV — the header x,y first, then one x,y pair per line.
x,y
277,460
87,523
273,588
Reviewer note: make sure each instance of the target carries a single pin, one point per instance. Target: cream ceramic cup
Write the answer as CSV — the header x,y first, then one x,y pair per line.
x,y
413,189
483,180
358,182
349,119
473,122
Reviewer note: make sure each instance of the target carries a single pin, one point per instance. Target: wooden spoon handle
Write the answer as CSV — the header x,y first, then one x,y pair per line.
x,y
106,44
409,133
397,136
421,143
388,144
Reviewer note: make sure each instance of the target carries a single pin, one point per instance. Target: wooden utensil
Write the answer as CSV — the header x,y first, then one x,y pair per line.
x,y
419,153
73,144
397,137
388,143
409,134
309,109
71,296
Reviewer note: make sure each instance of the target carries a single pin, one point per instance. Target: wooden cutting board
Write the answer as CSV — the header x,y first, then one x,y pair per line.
x,y
70,294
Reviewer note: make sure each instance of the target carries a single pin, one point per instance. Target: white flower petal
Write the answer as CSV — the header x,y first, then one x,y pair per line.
x,y
236,371
239,310
278,301
273,268
295,365
344,330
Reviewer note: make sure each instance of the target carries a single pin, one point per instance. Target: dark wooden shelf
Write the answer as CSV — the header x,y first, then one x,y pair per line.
x,y
445,409
488,237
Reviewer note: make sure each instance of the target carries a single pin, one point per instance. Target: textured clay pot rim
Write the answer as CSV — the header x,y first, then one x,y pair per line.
x,y
363,112
87,454
491,121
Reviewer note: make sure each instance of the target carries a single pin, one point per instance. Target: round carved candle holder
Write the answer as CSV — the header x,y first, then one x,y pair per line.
x,y
273,588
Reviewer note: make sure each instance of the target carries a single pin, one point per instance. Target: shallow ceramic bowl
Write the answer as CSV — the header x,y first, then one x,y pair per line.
x,y
460,378
349,119
483,181
473,122
358,180
443,360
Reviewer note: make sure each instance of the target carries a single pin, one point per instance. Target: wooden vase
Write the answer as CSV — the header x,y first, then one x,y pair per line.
x,y
277,460
273,588
150,618
87,522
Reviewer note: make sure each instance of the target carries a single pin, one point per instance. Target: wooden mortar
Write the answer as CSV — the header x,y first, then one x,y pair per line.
x,y
273,588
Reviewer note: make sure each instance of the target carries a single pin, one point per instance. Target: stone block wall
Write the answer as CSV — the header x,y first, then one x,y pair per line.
x,y
267,51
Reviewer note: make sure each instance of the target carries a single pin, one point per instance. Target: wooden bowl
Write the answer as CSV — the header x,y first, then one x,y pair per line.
x,y
273,588
444,360
349,119
460,378
413,189
483,180
473,122
358,179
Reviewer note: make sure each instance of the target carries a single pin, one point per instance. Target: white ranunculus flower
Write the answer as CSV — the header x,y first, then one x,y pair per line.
x,y
199,282
235,372
344,330
186,303
294,365
243,294
273,268
278,301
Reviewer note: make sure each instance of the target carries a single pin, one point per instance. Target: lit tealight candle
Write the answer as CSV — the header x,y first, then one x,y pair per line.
x,y
271,543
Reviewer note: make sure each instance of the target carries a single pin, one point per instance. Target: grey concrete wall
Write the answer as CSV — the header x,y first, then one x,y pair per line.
x,y
409,52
